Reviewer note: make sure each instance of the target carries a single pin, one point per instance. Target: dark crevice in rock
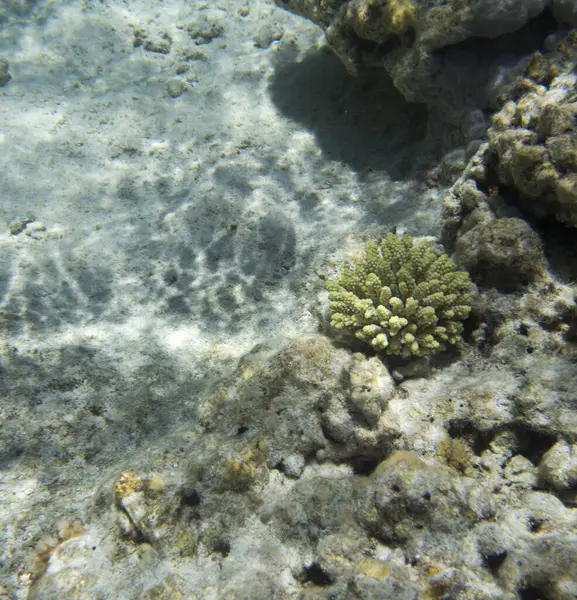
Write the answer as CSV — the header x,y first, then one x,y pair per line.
x,y
533,444
222,547
364,465
314,574
494,561
520,43
532,593
479,440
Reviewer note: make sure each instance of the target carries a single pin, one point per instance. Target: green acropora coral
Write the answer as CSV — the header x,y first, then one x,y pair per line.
x,y
401,297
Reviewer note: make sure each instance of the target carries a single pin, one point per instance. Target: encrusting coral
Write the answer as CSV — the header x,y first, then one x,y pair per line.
x,y
401,297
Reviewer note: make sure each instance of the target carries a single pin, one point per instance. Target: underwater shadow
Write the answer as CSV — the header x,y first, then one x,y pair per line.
x,y
220,271
213,267
56,291
74,409
363,121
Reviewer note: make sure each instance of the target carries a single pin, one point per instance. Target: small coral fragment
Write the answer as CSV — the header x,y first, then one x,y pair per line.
x,y
48,544
402,298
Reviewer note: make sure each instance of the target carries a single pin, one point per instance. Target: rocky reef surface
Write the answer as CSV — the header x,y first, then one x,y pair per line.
x,y
454,56
315,473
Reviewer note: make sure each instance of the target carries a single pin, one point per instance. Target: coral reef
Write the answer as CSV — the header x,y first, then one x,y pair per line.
x,y
533,138
427,26
531,155
418,43
312,471
401,297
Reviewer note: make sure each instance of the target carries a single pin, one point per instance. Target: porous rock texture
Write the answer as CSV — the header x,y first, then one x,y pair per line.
x,y
311,474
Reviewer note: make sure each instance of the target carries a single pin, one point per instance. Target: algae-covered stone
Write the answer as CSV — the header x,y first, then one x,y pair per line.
x,y
558,467
504,253
406,499
536,542
4,72
297,402
371,388
172,587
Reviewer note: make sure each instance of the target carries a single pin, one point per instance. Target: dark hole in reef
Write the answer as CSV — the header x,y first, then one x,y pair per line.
x,y
494,561
533,444
379,50
189,497
281,467
473,324
482,441
532,593
523,330
478,440
519,43
427,495
222,547
534,525
560,245
315,575
505,279
241,430
363,465
95,410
